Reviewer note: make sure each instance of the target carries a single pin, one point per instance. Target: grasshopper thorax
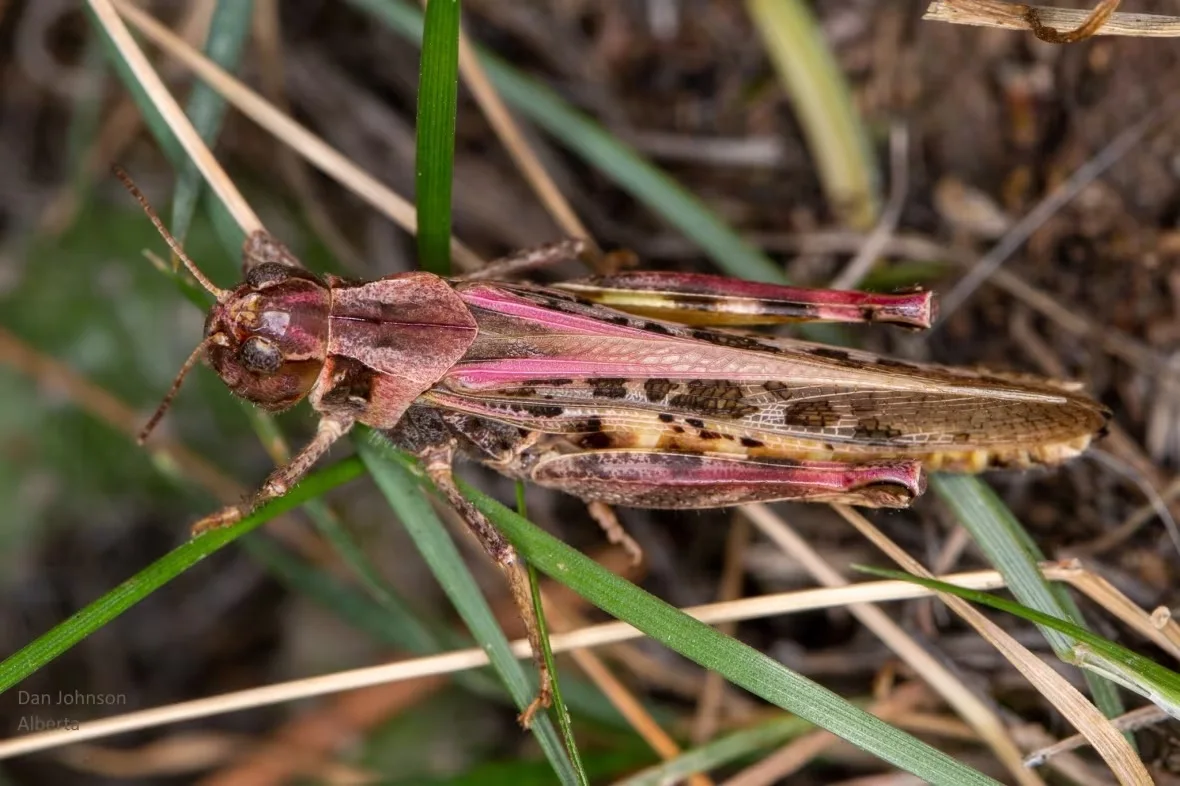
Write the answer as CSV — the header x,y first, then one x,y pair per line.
x,y
268,338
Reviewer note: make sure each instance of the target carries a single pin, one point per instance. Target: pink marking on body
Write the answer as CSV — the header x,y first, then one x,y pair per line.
x,y
912,308
835,475
668,357
579,346
497,299
687,481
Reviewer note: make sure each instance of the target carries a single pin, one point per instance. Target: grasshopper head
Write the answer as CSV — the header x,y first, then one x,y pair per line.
x,y
267,338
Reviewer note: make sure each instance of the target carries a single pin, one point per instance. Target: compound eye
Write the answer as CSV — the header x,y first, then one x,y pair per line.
x,y
260,355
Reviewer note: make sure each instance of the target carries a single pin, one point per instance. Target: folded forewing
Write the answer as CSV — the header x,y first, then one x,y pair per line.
x,y
562,367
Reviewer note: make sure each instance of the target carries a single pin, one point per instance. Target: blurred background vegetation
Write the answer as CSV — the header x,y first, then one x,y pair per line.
x,y
994,120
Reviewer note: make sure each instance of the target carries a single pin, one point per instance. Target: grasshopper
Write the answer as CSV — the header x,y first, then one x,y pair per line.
x,y
634,389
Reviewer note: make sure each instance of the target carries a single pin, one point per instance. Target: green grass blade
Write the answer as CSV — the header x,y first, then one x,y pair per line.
x,y
1128,668
740,664
401,488
1010,549
564,723
632,172
391,623
206,108
559,708
385,615
438,88
721,751
97,614
823,104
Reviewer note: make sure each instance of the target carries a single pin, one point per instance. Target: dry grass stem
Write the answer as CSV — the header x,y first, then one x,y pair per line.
x,y
795,755
51,374
1072,766
712,690
878,238
1015,16
945,726
1140,718
301,746
177,121
1126,141
180,754
1129,526
632,709
969,706
1164,633
1127,470
514,142
120,130
564,616
1083,715
326,158
460,660
1089,26
268,41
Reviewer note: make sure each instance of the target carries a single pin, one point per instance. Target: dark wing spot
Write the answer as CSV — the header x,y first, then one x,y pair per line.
x,y
596,441
592,424
657,389
780,390
608,387
538,410
875,428
734,341
620,321
747,442
521,391
719,398
811,414
695,423
666,418
831,354
553,383
656,327
704,434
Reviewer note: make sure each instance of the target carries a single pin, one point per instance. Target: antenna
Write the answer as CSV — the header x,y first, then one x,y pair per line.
x,y
173,243
215,338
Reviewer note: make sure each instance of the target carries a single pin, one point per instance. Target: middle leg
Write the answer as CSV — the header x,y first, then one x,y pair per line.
x,y
438,461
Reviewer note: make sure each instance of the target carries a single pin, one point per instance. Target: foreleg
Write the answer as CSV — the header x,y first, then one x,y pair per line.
x,y
648,479
529,259
330,429
702,299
